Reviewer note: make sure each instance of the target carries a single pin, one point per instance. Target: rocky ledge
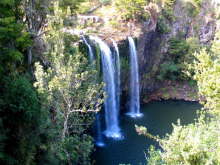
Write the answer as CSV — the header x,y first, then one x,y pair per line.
x,y
176,91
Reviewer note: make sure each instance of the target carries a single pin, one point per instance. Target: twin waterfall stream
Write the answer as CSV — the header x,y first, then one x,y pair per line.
x,y
110,61
134,82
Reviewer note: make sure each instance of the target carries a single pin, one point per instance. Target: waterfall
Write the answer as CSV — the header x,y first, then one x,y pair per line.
x,y
99,138
111,111
117,73
134,81
91,55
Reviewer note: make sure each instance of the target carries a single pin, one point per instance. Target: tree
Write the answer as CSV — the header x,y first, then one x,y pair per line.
x,y
74,5
193,144
22,121
131,9
70,92
20,110
207,75
35,12
13,39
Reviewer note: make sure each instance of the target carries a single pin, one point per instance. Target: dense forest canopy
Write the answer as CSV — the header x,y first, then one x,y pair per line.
x,y
50,92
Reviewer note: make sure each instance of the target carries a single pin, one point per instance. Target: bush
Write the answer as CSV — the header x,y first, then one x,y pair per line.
x,y
178,65
194,144
74,5
162,26
178,48
124,64
167,10
169,70
193,8
169,3
23,117
131,9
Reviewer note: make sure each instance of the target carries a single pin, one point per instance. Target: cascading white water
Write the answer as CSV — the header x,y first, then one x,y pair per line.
x,y
91,55
134,82
117,73
111,111
99,137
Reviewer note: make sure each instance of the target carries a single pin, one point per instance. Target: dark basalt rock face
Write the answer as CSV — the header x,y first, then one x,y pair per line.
x,y
150,56
152,46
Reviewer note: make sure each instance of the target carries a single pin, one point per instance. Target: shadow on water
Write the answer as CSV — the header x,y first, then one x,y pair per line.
x,y
158,118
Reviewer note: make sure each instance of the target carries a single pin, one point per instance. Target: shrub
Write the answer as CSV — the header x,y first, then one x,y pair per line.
x,y
167,10
177,48
169,3
193,7
178,65
131,9
24,119
162,26
169,70
194,144
124,64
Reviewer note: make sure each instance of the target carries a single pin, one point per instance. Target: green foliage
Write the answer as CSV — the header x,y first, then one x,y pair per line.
x,y
74,5
84,7
162,26
70,90
167,10
23,117
188,60
178,65
169,70
114,23
13,39
198,2
21,114
49,126
124,64
193,7
131,9
207,74
194,144
169,3
154,157
177,48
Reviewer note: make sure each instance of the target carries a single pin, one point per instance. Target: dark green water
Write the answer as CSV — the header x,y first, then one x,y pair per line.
x,y
158,118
